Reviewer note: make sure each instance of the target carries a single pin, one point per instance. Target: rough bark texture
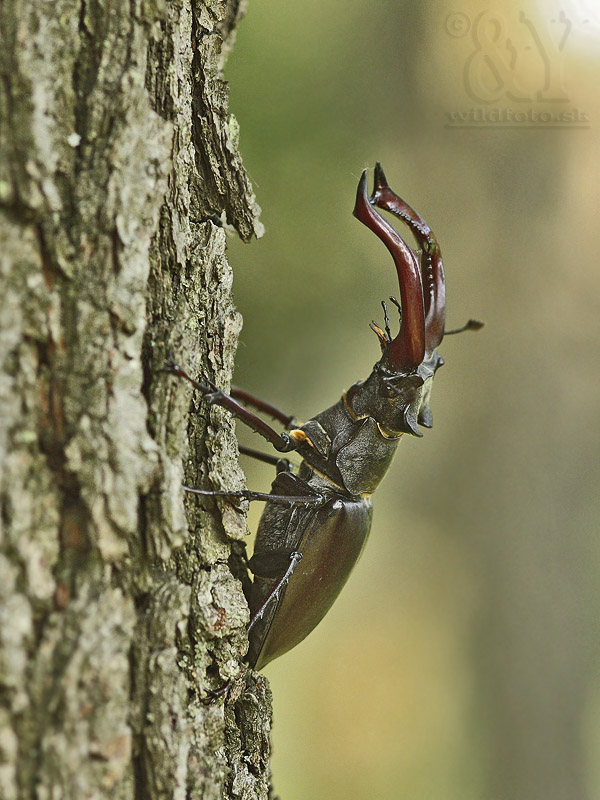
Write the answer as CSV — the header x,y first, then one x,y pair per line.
x,y
119,168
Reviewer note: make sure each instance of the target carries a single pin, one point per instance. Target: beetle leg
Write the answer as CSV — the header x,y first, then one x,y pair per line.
x,y
281,499
262,405
295,558
280,464
212,695
217,397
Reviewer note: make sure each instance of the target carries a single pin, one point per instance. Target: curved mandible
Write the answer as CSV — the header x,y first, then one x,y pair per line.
x,y
432,267
407,350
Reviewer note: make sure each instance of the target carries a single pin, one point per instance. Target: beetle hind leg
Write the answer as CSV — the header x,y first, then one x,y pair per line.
x,y
294,557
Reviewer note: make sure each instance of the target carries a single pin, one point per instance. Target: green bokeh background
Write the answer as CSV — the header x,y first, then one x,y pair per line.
x,y
461,660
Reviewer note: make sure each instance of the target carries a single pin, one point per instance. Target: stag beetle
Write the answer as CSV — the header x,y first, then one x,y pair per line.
x,y
317,519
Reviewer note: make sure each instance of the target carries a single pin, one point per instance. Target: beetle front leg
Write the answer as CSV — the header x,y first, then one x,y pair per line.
x,y
262,405
217,397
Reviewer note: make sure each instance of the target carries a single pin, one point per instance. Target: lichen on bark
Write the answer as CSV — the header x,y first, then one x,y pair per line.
x,y
118,179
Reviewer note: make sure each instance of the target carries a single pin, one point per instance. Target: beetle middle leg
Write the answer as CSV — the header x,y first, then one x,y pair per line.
x,y
280,464
283,466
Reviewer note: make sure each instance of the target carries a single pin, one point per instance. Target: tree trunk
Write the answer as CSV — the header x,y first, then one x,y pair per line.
x,y
119,168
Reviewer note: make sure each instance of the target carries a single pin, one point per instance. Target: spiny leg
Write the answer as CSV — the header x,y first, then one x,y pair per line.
x,y
295,558
261,405
280,499
215,396
280,464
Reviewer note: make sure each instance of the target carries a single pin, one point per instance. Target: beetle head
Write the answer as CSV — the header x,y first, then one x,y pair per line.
x,y
397,392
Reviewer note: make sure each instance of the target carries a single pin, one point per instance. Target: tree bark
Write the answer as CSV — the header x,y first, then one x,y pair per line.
x,y
119,172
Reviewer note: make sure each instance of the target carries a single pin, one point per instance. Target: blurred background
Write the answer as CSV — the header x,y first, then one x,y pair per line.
x,y
461,660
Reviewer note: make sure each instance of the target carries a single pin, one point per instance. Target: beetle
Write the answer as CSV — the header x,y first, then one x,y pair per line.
x,y
317,519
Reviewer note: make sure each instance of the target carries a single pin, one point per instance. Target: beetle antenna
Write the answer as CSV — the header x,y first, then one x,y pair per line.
x,y
398,306
471,325
387,321
383,340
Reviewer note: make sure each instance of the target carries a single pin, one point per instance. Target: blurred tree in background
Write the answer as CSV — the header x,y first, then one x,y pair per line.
x,y
461,660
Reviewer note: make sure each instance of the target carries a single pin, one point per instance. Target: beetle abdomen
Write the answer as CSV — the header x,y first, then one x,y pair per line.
x,y
331,541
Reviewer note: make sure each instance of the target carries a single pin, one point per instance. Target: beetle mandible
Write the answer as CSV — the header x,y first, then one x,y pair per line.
x,y
317,519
